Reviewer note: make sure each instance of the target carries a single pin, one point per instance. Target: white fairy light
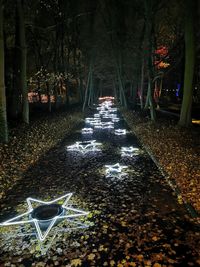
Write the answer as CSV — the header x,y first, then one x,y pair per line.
x,y
115,171
120,132
129,151
87,131
68,213
84,147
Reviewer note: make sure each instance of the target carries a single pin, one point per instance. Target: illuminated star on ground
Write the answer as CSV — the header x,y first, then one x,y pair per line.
x,y
85,147
129,151
115,171
68,213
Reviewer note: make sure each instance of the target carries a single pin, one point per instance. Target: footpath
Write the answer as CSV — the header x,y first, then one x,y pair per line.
x,y
134,218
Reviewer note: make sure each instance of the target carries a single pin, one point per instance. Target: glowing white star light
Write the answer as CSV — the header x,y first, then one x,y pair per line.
x,y
109,116
115,119
104,125
129,151
120,132
84,147
115,171
112,110
92,121
87,131
97,115
68,213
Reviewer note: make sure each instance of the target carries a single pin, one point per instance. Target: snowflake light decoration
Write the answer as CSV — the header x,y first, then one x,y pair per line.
x,y
115,171
129,151
84,147
68,213
120,132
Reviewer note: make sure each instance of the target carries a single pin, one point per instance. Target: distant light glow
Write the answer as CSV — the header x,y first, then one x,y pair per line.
x,y
106,98
178,89
196,121
42,235
120,132
84,147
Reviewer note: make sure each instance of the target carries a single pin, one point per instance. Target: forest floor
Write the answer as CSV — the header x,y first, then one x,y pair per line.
x,y
28,143
176,150
134,220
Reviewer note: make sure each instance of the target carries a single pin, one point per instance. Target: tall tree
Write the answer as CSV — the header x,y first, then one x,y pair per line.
x,y
3,116
185,116
22,67
151,47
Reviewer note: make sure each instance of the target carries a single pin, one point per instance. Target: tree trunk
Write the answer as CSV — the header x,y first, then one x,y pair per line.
x,y
150,66
14,109
88,85
185,116
22,74
141,90
3,115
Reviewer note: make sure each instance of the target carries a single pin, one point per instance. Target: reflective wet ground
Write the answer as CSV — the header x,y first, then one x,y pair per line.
x,y
136,220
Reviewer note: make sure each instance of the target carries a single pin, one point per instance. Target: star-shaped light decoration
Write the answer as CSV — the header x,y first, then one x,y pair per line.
x,y
106,104
92,121
129,151
96,115
87,131
112,110
43,226
120,132
84,147
116,119
104,125
103,112
109,116
100,108
115,171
